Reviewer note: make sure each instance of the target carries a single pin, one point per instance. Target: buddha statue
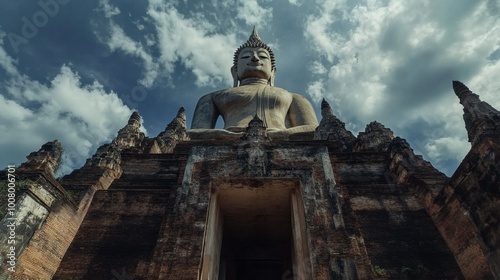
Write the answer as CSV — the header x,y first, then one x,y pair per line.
x,y
253,95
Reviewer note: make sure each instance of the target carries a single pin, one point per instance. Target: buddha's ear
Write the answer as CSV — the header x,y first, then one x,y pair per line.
x,y
271,79
234,73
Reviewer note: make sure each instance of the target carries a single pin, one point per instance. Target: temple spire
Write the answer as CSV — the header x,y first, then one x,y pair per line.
x,y
174,133
480,118
460,88
326,110
47,159
135,119
130,135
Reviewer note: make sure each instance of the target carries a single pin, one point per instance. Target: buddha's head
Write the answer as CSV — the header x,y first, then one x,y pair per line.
x,y
253,59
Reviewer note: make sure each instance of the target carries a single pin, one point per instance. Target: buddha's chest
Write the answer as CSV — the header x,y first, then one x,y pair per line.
x,y
252,99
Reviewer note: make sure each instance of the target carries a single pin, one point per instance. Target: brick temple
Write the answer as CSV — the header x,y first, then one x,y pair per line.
x,y
322,205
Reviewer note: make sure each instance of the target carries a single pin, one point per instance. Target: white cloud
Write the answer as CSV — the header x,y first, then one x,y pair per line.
x,y
108,9
81,116
394,61
193,42
189,38
441,149
318,28
487,84
253,14
118,40
316,90
6,62
10,111
317,68
139,25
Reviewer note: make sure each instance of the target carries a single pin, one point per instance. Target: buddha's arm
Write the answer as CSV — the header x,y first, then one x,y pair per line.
x,y
301,112
205,117
205,114
217,134
301,117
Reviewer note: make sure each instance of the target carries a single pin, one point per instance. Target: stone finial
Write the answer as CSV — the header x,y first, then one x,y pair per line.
x,y
256,122
181,114
135,119
404,163
256,130
378,127
480,117
460,88
130,135
179,121
326,110
376,137
173,133
333,130
254,36
47,159
324,104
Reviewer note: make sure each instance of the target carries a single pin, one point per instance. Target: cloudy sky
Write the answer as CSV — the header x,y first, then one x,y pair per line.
x,y
75,70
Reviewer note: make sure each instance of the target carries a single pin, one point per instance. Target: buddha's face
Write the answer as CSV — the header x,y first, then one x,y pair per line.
x,y
254,63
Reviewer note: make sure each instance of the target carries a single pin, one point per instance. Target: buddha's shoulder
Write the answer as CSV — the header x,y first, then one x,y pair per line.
x,y
221,91
232,90
252,89
280,90
210,95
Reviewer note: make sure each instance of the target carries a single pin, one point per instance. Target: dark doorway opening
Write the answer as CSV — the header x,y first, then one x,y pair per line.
x,y
255,257
255,230
257,233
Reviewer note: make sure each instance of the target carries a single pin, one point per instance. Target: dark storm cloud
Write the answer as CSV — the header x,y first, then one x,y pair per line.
x,y
423,76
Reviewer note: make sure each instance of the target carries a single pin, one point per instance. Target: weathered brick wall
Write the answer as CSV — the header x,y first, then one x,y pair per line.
x,y
119,232
384,215
459,232
47,240
48,245
362,220
466,212
50,237
400,239
121,229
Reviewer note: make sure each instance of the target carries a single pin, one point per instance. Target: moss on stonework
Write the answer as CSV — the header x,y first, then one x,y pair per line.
x,y
415,272
378,271
71,195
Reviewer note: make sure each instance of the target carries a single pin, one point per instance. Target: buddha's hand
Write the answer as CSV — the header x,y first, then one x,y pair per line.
x,y
219,134
275,133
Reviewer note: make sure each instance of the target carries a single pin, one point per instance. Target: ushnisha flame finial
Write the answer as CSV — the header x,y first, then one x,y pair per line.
x,y
254,36
254,41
